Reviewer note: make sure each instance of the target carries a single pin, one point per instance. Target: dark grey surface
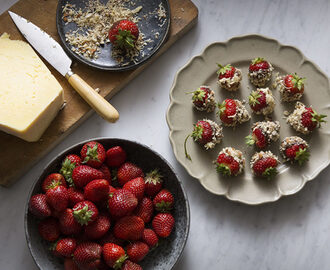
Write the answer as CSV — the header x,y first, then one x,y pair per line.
x,y
169,250
147,26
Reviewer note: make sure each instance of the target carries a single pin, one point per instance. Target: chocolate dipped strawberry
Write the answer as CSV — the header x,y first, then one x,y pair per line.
x,y
260,72
229,77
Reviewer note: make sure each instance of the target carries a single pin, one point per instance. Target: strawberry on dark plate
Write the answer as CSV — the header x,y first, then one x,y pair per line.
x,y
65,247
136,251
124,34
39,207
69,264
75,196
106,173
153,183
163,224
144,210
88,255
163,201
97,190
114,255
136,186
53,180
127,172
85,212
129,228
93,154
83,174
49,229
58,198
122,202
110,238
129,265
69,163
116,156
98,228
68,223
150,238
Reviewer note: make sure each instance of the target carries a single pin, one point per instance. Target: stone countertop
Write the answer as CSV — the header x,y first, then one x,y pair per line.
x,y
293,233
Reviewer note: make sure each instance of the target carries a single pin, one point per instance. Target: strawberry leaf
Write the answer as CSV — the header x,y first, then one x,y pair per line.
x,y
221,107
223,169
257,60
164,206
318,118
223,69
83,215
125,39
119,263
199,94
253,98
66,170
297,81
197,133
302,156
249,140
154,177
270,172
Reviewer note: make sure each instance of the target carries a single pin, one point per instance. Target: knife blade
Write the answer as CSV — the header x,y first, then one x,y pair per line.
x,y
52,51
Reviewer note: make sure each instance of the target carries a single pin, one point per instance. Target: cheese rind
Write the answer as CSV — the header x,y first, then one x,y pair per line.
x,y
30,96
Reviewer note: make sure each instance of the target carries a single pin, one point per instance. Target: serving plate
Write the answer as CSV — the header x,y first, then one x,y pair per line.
x,y
201,70
149,25
168,251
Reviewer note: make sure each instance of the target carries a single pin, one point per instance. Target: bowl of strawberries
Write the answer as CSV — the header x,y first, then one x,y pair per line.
x,y
107,204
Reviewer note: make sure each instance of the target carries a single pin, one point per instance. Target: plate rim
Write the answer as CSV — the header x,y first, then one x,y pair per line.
x,y
170,126
88,63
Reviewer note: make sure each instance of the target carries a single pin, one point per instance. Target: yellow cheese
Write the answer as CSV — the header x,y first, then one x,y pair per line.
x,y
30,96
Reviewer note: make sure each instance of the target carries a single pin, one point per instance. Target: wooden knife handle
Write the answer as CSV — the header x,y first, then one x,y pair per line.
x,y
96,101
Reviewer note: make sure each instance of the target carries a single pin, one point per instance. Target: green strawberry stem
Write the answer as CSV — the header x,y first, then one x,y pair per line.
x,y
91,154
257,60
223,69
164,206
119,263
154,177
223,169
125,39
297,81
221,107
185,148
319,118
83,216
302,156
249,140
253,98
66,170
270,172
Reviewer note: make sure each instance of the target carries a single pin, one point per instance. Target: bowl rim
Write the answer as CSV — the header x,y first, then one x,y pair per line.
x,y
65,152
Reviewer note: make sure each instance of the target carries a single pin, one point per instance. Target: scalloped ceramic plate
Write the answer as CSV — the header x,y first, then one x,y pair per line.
x,y
201,70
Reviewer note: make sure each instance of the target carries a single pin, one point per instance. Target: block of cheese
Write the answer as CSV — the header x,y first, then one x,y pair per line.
x,y
30,96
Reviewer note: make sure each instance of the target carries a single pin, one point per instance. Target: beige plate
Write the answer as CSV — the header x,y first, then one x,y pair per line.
x,y
201,70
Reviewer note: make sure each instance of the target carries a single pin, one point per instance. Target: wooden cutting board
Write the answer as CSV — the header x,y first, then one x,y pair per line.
x,y
17,156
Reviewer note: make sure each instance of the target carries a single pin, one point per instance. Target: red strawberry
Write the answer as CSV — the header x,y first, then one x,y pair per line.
x,y
163,224
65,247
137,251
128,171
258,138
265,167
294,83
128,265
116,156
93,154
258,64
68,164
85,212
124,34
88,255
310,119
58,198
68,224
227,165
122,202
110,238
257,100
39,207
53,180
164,200
69,264
226,71
49,229
114,255
97,190
144,210
83,174
153,183
98,228
106,173
200,96
297,152
227,109
56,213
150,238
75,196
136,186
129,228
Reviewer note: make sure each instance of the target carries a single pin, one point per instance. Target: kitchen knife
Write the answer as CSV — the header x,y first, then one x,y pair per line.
x,y
50,50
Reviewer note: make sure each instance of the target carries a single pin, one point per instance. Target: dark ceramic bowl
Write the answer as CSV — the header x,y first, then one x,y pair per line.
x,y
169,250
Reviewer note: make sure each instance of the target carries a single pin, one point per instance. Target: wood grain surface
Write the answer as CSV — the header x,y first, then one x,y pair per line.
x,y
17,156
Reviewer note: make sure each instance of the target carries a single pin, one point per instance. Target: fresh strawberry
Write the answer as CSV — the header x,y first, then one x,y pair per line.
x,y
98,228
227,109
136,186
58,198
127,172
129,228
294,83
39,207
69,264
258,64
56,213
106,173
93,154
265,167
163,224
227,165
88,255
226,71
97,190
310,119
49,229
85,212
124,34
257,100
164,200
297,152
137,251
53,180
258,138
68,224
83,174
110,238
75,196
116,156
114,255
69,163
153,183
65,247
144,210
150,238
128,265
122,202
